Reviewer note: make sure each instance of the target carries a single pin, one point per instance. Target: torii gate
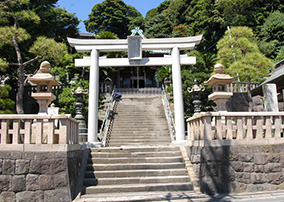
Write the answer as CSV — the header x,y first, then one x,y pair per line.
x,y
134,45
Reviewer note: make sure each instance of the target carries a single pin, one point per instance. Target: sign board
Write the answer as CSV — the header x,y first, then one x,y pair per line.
x,y
134,47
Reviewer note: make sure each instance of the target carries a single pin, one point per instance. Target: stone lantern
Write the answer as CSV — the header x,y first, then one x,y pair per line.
x,y
220,82
79,93
196,90
44,81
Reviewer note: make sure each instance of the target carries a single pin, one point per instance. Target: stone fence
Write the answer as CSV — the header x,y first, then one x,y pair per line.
x,y
242,86
40,158
237,151
227,128
38,129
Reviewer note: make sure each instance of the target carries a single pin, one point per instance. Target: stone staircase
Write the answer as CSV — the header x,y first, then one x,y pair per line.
x,y
140,120
139,164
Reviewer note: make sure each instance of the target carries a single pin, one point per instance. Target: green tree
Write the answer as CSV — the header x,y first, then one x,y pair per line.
x,y
272,34
156,11
200,72
55,23
67,99
239,54
159,26
202,18
6,104
280,55
164,72
14,16
114,16
113,54
181,31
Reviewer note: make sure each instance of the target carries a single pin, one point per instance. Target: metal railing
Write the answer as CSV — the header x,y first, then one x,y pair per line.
x,y
169,116
107,122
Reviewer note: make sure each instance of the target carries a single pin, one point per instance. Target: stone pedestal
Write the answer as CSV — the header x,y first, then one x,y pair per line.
x,y
220,98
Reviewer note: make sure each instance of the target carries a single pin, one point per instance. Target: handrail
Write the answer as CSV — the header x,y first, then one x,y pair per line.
x,y
105,125
169,115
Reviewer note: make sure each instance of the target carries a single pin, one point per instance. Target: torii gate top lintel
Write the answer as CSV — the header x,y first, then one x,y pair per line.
x,y
87,45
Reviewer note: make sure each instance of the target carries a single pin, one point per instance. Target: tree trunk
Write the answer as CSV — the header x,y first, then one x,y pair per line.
x,y
21,79
249,96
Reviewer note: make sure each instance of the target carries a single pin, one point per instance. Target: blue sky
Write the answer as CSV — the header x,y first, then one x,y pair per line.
x,y
82,8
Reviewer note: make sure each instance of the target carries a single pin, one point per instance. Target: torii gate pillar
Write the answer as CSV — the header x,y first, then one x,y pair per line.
x,y
93,97
178,98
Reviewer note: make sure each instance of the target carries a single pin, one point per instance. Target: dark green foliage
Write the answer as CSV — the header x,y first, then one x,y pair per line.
x,y
114,16
67,99
202,18
164,72
6,104
159,22
200,72
25,26
272,34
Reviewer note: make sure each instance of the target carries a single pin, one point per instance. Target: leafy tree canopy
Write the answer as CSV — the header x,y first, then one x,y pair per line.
x,y
114,16
272,35
21,42
159,22
6,104
239,54
249,13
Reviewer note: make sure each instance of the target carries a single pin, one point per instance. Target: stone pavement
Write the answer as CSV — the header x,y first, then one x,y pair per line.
x,y
272,196
190,196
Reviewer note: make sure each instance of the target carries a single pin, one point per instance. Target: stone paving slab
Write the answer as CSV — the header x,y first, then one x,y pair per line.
x,y
190,196
140,196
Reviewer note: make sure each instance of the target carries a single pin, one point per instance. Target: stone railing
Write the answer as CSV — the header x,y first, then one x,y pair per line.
x,y
242,86
228,128
38,129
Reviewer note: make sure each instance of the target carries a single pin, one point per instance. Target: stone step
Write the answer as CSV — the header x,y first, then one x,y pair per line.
x,y
138,188
125,137
134,166
135,173
146,141
137,139
135,180
144,149
132,127
147,122
177,196
135,160
135,119
135,154
113,144
132,134
139,142
139,135
135,130
149,113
